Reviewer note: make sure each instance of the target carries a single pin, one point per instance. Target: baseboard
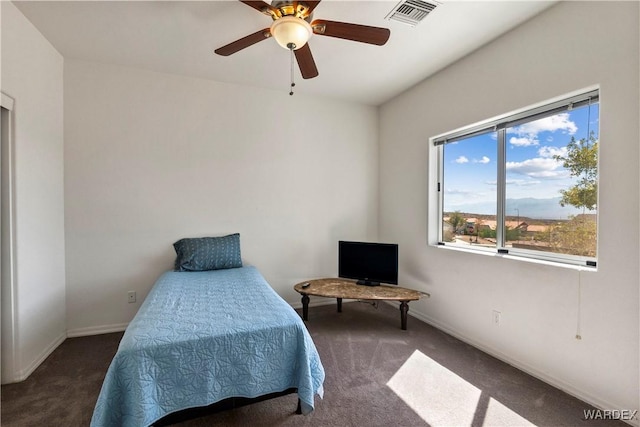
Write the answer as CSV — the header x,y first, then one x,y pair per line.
x,y
96,330
23,374
555,382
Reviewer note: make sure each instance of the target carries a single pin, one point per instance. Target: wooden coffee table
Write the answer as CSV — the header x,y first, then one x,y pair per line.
x,y
341,288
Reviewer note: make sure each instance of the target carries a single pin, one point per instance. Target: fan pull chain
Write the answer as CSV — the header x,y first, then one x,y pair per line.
x,y
292,46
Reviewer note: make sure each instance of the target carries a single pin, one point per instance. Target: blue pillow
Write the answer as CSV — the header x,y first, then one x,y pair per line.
x,y
208,253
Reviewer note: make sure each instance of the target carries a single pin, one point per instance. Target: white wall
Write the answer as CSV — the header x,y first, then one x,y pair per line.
x,y
571,46
151,158
32,75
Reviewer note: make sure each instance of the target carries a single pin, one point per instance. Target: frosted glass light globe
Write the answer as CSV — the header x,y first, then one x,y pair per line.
x,y
290,29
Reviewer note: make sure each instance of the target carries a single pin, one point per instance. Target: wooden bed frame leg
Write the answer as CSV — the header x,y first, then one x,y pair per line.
x,y
299,408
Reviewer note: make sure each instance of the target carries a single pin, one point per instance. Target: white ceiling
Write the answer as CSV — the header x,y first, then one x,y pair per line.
x,y
179,37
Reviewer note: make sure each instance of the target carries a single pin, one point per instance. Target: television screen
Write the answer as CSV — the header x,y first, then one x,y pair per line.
x,y
368,263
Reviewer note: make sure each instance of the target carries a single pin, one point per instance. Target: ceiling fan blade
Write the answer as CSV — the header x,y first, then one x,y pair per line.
x,y
305,8
244,42
260,6
355,32
311,4
305,62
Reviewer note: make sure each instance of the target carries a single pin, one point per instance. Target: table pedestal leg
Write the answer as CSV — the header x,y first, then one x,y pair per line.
x,y
339,305
305,307
404,309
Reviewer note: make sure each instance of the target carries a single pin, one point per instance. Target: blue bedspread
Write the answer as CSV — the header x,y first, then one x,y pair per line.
x,y
200,337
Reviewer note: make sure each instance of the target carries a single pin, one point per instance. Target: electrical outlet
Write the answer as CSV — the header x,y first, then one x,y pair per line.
x,y
132,296
496,318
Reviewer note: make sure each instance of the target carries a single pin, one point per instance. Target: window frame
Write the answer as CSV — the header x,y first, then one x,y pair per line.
x,y
499,125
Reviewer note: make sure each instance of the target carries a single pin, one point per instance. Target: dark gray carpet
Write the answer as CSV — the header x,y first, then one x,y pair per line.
x,y
376,375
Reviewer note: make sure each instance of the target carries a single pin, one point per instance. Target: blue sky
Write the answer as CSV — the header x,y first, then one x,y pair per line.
x,y
470,169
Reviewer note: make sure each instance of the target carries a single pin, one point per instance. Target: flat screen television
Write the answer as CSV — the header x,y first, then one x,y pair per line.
x,y
368,263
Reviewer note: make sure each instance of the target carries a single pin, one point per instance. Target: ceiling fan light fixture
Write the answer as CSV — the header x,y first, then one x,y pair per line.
x,y
291,30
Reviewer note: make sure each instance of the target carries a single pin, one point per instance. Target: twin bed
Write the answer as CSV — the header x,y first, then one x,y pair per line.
x,y
204,336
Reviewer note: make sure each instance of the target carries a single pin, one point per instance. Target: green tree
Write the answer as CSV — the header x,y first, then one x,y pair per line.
x,y
512,234
577,236
487,233
456,220
582,162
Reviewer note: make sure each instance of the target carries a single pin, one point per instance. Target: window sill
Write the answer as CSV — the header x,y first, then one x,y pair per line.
x,y
522,258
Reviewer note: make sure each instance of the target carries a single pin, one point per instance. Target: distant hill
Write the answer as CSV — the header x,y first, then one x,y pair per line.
x,y
528,208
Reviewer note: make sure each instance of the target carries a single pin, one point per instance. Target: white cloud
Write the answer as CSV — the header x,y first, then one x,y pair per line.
x,y
559,122
561,174
538,167
548,152
484,160
462,159
527,134
524,141
452,191
522,182
517,182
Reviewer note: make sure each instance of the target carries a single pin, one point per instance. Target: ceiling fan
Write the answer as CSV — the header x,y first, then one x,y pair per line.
x,y
292,27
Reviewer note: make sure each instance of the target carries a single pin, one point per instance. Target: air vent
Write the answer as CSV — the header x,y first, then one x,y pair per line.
x,y
411,12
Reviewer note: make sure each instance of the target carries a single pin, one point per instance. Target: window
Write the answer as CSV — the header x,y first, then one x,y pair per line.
x,y
525,184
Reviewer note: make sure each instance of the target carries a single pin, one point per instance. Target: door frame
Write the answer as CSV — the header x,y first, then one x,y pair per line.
x,y
8,310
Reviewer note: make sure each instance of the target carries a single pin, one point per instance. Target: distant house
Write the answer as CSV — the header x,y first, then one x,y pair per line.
x,y
535,228
473,224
